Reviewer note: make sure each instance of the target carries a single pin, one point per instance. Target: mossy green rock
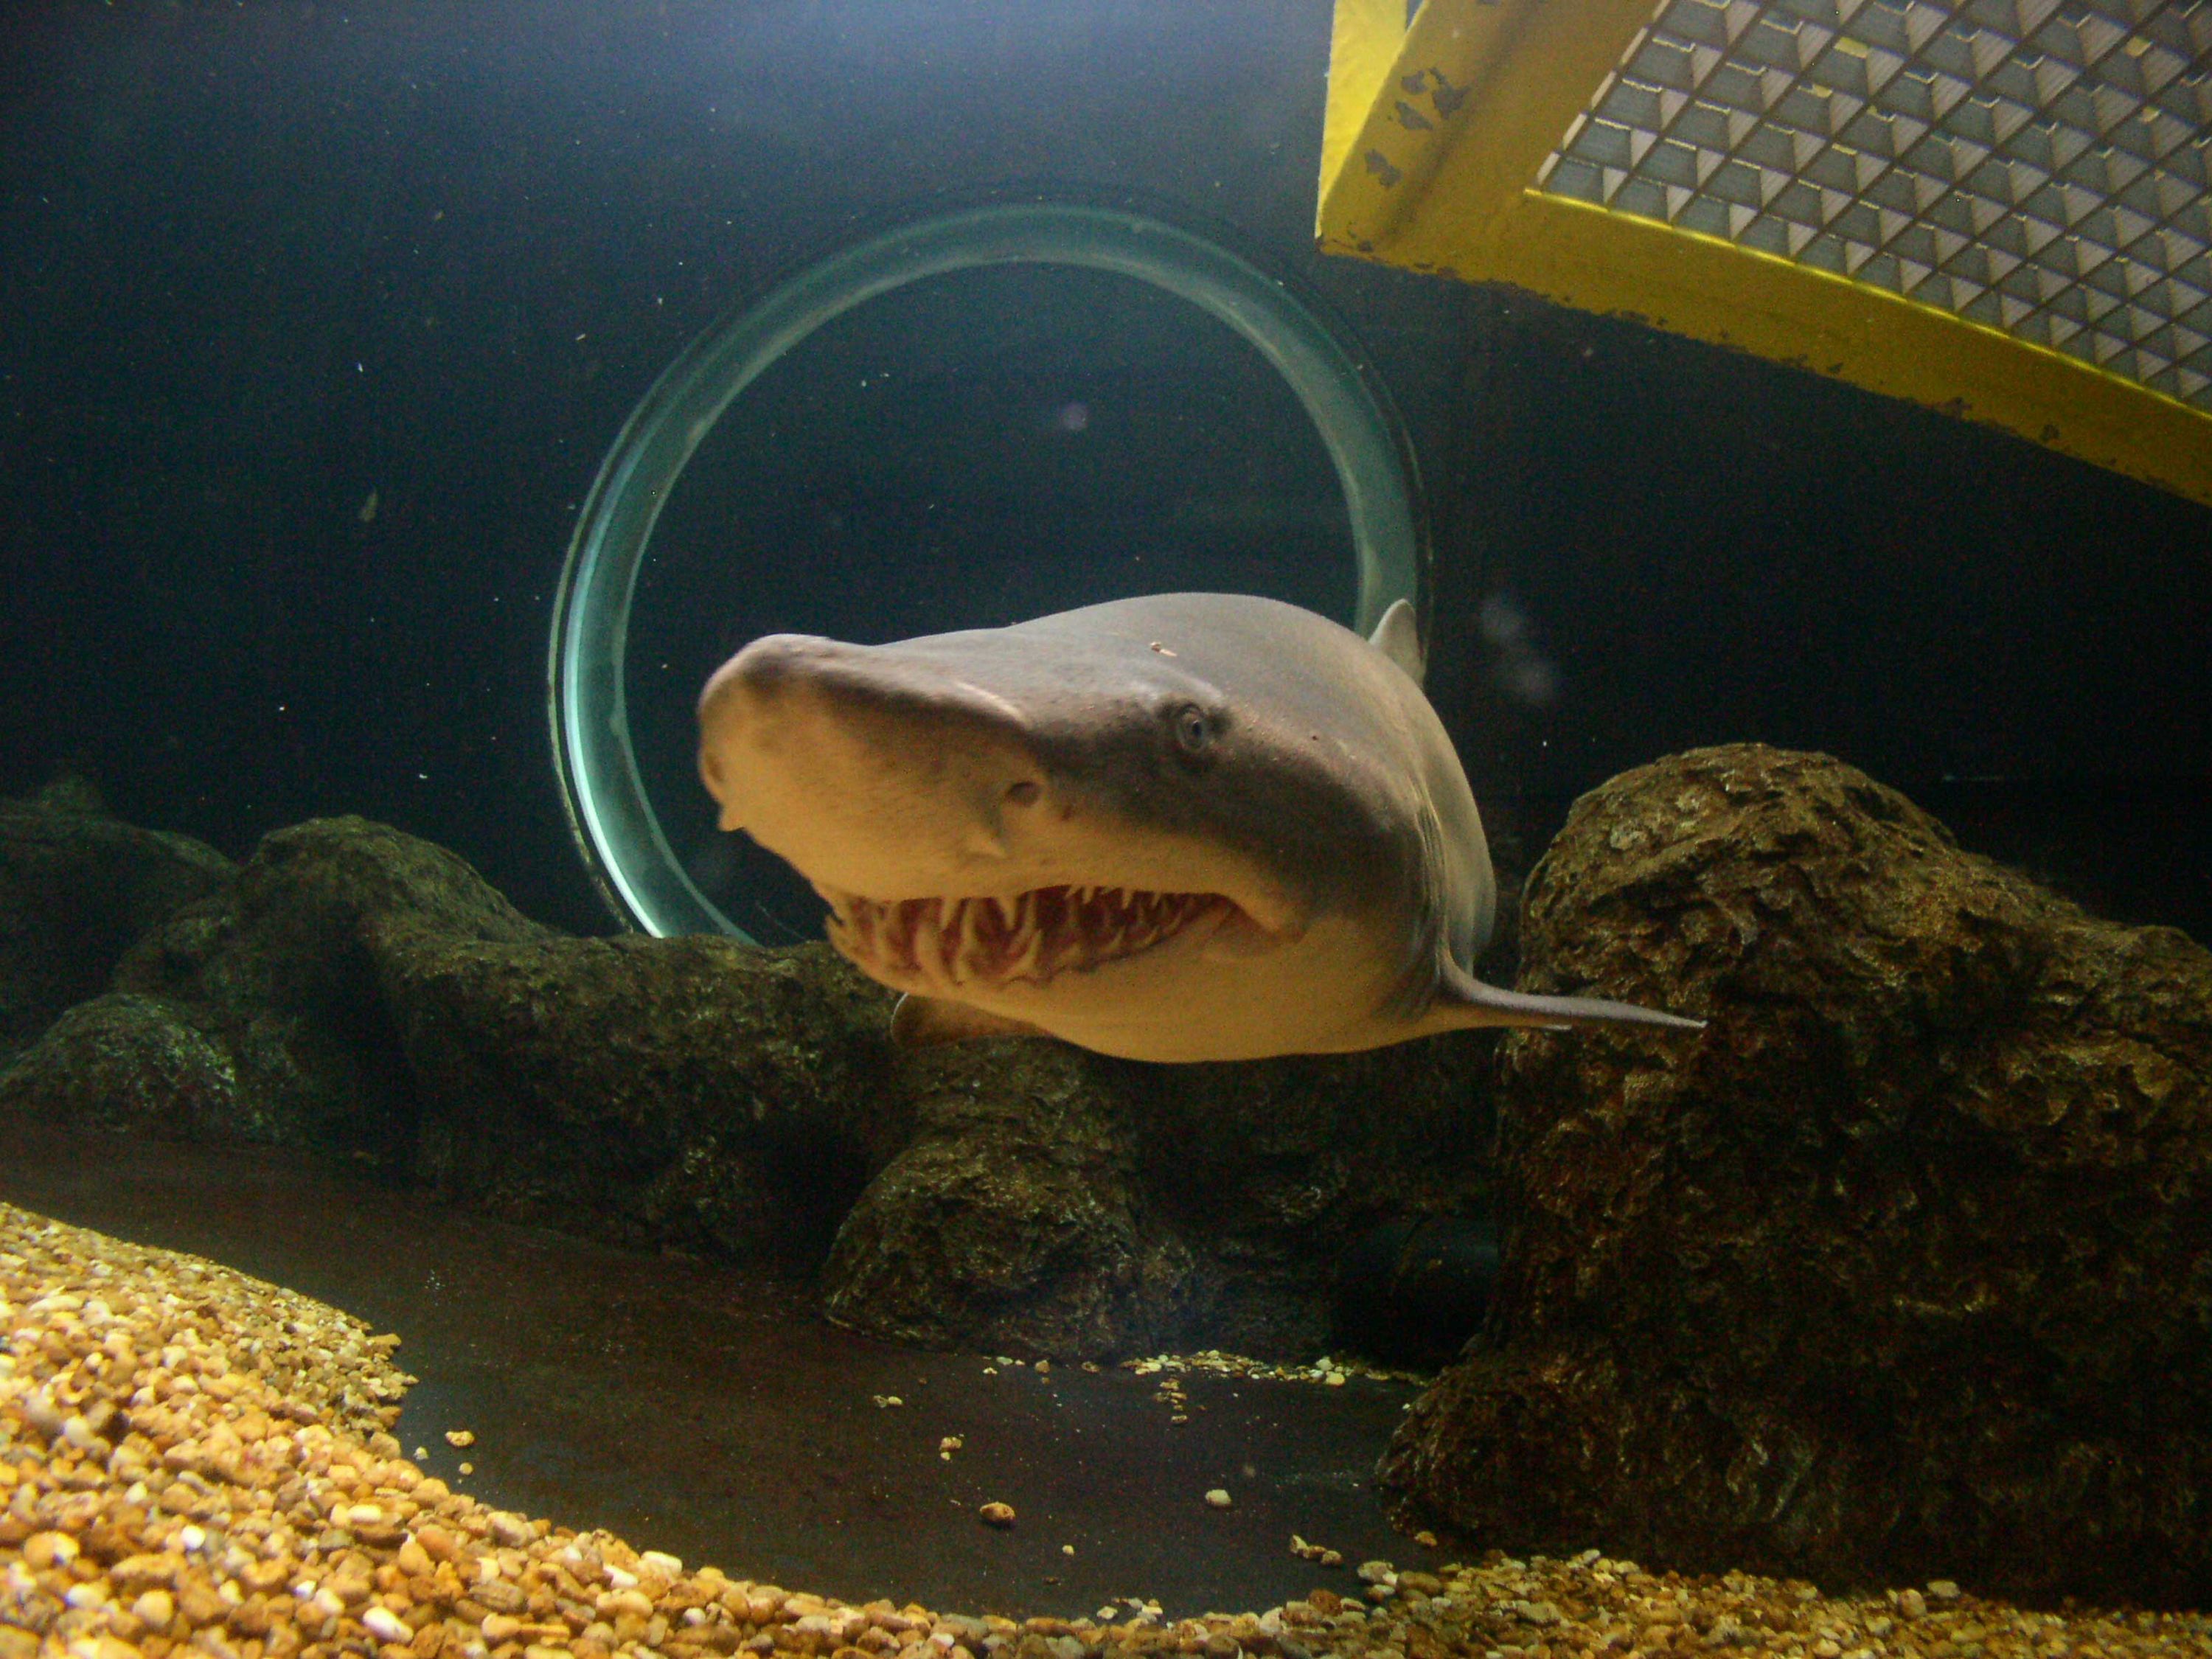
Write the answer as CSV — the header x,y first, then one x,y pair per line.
x,y
695,1094
1058,1203
129,1064
365,995
1903,1268
277,966
77,889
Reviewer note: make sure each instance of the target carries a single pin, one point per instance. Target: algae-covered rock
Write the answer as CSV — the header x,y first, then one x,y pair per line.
x,y
693,1093
277,967
1058,1203
1903,1267
129,1064
1012,1221
77,887
363,994
1278,1172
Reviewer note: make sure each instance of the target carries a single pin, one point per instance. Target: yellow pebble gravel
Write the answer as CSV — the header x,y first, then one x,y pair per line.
x,y
195,1462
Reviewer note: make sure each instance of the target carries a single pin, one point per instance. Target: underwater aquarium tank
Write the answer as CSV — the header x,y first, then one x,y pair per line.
x,y
937,829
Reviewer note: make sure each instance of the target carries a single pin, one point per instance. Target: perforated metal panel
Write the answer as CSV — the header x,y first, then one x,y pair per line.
x,y
2037,167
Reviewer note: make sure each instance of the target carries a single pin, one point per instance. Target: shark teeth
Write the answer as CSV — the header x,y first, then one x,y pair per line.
x,y
946,944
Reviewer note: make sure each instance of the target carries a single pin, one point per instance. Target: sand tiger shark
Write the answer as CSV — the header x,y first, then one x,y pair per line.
x,y
1192,826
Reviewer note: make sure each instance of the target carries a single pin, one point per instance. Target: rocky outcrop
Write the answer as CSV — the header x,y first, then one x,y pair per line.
x,y
278,968
129,1064
1012,1220
367,996
1055,1202
77,888
1903,1267
693,1094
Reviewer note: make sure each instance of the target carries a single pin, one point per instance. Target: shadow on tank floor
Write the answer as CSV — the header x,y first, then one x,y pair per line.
x,y
712,1413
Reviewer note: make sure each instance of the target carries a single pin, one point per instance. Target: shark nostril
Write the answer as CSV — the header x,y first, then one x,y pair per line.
x,y
1025,792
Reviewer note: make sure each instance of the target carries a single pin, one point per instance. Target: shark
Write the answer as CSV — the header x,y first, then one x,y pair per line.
x,y
1183,827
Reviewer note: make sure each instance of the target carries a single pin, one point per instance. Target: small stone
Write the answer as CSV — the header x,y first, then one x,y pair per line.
x,y
1912,1604
886,1399
1218,1498
1944,1590
1375,1572
1067,1549
1426,1540
44,1551
460,1437
154,1609
384,1625
509,1528
661,1561
40,1412
997,1514
500,1627
468,1468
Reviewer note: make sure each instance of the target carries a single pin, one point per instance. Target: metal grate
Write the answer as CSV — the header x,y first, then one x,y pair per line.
x,y
2038,166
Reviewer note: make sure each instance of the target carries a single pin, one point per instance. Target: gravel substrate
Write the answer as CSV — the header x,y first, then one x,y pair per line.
x,y
192,1458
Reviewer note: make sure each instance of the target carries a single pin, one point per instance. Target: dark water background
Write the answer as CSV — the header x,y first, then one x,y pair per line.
x,y
259,262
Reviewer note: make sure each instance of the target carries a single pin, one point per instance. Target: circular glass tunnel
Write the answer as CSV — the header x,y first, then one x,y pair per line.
x,y
962,422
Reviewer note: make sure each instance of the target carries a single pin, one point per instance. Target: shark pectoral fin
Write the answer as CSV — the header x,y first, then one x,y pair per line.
x,y
924,1021
1463,1001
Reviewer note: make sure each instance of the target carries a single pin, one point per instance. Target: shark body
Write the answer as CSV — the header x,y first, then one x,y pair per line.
x,y
1191,826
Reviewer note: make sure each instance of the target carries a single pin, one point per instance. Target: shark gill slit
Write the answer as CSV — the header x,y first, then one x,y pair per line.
x,y
998,940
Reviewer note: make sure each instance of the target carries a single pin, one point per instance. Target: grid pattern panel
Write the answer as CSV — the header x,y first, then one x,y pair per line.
x,y
2043,167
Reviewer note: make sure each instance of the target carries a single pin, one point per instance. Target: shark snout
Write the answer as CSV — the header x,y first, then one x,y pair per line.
x,y
859,764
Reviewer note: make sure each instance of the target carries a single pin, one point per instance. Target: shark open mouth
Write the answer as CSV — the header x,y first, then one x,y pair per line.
x,y
996,941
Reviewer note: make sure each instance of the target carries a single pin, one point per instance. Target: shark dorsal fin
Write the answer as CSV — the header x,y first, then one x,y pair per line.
x,y
1398,636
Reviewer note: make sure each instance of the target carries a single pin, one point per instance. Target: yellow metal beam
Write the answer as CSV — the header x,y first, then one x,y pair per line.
x,y
1431,163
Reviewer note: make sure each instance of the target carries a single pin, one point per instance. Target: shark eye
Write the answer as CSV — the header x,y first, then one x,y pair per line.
x,y
1193,733
1024,793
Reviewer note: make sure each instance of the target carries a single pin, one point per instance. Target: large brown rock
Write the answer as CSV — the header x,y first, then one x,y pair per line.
x,y
1903,1267
365,995
694,1093
1012,1221
131,1065
77,888
1055,1202
277,967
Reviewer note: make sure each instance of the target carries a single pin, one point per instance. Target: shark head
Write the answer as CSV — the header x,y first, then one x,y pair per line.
x,y
1194,826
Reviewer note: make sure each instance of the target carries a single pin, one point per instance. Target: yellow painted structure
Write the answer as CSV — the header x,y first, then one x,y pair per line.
x,y
1440,132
